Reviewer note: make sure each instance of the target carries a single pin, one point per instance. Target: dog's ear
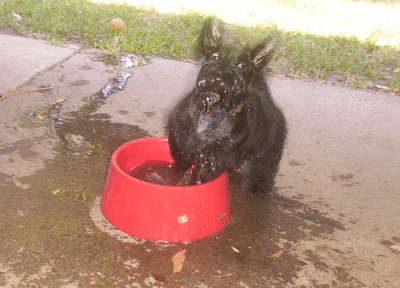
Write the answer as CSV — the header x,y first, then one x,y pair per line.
x,y
262,53
211,36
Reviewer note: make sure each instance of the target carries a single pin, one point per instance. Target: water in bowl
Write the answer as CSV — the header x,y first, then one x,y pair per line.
x,y
163,173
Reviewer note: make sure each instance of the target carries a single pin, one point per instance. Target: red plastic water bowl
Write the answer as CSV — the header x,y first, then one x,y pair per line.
x,y
158,212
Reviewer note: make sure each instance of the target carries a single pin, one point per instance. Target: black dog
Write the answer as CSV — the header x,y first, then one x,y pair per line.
x,y
229,119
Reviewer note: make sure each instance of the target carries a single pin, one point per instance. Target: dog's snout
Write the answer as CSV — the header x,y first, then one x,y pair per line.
x,y
209,99
211,91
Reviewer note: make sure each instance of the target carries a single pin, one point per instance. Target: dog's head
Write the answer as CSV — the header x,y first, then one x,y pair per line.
x,y
224,76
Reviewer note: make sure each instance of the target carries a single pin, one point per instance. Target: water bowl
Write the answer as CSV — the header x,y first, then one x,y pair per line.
x,y
161,212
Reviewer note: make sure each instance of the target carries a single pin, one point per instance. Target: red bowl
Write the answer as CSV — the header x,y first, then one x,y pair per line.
x,y
158,212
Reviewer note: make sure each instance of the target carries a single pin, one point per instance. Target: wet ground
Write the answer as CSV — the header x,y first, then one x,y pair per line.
x,y
332,221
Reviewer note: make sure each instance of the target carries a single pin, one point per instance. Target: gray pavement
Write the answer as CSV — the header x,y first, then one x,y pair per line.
x,y
24,58
334,216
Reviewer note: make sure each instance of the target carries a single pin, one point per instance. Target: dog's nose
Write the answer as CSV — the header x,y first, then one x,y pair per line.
x,y
209,99
211,91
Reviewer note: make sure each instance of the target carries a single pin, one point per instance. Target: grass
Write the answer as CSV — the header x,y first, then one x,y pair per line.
x,y
334,59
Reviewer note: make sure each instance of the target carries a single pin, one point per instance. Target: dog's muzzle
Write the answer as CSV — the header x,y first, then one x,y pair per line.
x,y
209,100
213,91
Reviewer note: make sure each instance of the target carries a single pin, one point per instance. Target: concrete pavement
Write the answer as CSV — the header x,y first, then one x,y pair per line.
x,y
24,58
334,216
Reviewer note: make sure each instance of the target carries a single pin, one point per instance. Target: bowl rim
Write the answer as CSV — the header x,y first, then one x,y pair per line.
x,y
117,151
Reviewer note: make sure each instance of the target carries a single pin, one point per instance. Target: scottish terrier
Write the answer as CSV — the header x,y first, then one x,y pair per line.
x,y
229,121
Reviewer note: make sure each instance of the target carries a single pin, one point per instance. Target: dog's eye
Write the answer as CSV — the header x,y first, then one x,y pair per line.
x,y
215,55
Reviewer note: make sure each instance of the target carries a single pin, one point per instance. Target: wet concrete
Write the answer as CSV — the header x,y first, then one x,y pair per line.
x,y
332,222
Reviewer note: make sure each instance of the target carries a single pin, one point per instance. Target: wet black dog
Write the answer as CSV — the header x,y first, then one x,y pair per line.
x,y
229,120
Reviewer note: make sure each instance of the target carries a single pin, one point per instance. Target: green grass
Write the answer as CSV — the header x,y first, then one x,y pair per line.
x,y
88,24
344,60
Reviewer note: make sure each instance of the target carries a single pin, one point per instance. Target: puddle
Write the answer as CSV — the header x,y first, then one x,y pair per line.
x,y
54,235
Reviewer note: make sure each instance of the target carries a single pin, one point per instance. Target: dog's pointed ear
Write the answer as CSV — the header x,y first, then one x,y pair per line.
x,y
211,36
262,53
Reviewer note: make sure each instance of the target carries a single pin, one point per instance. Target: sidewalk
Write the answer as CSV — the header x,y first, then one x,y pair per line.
x,y
334,216
24,58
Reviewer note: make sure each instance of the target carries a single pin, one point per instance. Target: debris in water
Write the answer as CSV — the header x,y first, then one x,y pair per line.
x,y
221,276
58,192
280,209
18,183
129,61
52,134
177,261
160,278
235,249
276,255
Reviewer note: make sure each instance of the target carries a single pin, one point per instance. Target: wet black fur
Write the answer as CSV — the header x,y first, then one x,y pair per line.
x,y
229,119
